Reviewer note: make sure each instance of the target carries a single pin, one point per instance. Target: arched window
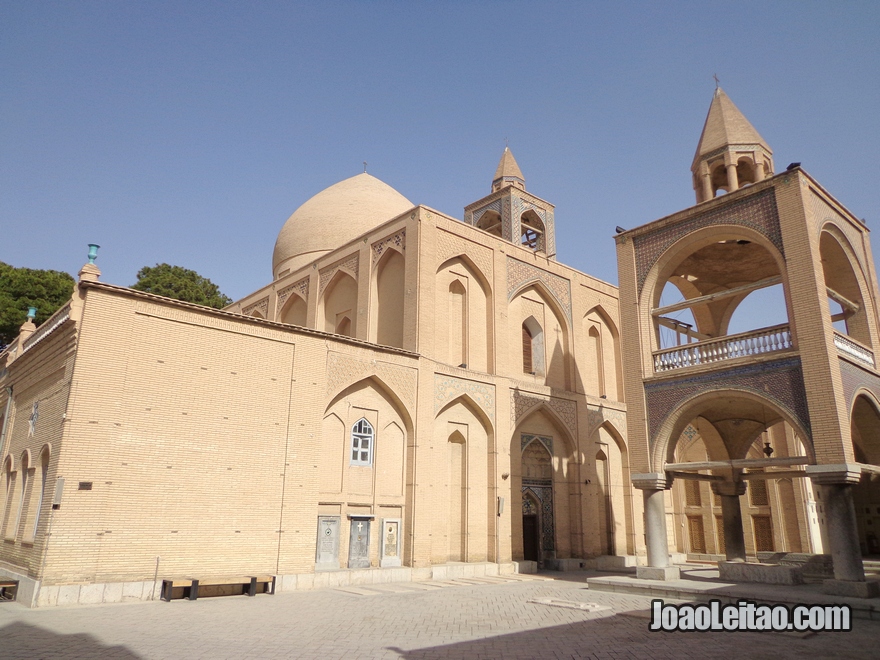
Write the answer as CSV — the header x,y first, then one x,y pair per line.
x,y
532,231
533,347
40,490
24,484
343,326
362,443
458,324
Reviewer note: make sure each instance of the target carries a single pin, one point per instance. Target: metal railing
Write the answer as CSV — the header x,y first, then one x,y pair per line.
x,y
744,344
854,350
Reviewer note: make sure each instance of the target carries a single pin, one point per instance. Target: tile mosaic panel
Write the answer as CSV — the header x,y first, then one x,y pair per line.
x,y
778,381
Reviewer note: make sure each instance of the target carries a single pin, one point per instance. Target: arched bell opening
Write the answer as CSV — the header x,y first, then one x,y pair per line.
x,y
846,302
490,221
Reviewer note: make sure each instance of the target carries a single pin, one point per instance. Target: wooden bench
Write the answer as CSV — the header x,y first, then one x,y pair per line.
x,y
189,587
8,589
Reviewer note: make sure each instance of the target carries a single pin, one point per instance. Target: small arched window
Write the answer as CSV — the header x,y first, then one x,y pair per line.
x,y
362,443
527,350
533,347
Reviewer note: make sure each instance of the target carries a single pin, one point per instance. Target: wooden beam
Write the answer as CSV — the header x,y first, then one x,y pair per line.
x,y
844,301
683,328
695,476
718,295
781,474
741,463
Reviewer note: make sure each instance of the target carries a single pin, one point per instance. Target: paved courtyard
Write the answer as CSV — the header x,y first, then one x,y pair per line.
x,y
458,619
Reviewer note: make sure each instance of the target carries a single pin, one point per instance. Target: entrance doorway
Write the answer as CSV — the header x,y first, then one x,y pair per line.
x,y
531,531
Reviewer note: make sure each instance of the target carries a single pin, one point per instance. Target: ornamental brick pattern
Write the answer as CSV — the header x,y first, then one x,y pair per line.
x,y
520,273
449,245
349,265
345,370
447,388
854,377
521,402
758,212
396,241
300,287
778,381
823,212
261,305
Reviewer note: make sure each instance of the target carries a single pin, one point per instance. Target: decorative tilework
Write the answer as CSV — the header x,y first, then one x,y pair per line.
x,y
396,240
566,409
824,212
345,370
520,206
349,265
542,491
447,388
261,305
520,273
449,245
779,381
853,378
476,214
598,415
526,438
757,212
300,287
507,221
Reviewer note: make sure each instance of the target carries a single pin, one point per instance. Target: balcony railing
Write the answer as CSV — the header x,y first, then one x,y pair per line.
x,y
854,350
745,344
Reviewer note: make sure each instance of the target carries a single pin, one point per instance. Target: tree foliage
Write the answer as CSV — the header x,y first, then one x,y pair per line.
x,y
20,288
180,284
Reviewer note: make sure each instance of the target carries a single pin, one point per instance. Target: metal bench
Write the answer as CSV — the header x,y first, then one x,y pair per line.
x,y
189,587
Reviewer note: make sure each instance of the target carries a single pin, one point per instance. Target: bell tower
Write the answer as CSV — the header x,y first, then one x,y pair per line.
x,y
730,153
512,213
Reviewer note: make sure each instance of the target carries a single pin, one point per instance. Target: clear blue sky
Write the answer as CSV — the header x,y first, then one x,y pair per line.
x,y
187,132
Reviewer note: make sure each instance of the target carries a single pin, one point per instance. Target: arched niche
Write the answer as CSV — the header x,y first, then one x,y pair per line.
x,y
560,495
338,306
295,311
463,309
464,483
615,505
388,295
603,375
535,302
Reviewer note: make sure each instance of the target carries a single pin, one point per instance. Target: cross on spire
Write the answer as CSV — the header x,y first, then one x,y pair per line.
x,y
717,82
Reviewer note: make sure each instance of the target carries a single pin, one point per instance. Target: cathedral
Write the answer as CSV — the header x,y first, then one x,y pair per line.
x,y
415,396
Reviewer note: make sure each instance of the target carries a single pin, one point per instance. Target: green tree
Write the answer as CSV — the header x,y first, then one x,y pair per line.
x,y
20,288
180,284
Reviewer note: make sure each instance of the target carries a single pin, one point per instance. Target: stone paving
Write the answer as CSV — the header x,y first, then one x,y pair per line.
x,y
478,618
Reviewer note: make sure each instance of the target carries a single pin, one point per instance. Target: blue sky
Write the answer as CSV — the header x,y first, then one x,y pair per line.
x,y
187,132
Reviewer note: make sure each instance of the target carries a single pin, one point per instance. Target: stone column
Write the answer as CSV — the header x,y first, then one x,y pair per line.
x,y
836,483
732,178
653,487
706,178
734,540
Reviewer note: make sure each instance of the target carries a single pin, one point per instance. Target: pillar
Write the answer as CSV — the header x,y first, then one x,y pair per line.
x,y
843,536
706,178
653,487
655,528
732,178
731,515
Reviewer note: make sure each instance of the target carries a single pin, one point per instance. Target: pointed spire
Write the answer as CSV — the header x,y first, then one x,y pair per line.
x,y
508,172
725,126
730,153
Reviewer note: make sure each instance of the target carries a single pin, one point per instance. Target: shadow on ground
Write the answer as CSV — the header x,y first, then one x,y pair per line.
x,y
20,640
627,636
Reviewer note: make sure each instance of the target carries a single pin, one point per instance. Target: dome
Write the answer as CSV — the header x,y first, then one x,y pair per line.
x,y
333,217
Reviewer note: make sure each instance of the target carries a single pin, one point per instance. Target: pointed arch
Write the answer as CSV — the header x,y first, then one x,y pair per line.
x,y
387,292
468,339
471,404
382,387
294,311
338,302
612,368
669,432
556,327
